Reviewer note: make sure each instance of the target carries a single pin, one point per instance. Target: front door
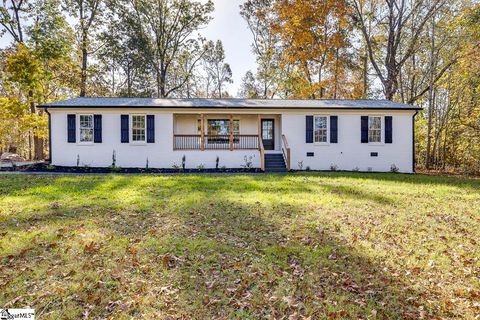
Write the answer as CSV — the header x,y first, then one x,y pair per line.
x,y
268,134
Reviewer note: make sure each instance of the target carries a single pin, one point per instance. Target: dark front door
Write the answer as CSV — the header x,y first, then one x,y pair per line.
x,y
268,134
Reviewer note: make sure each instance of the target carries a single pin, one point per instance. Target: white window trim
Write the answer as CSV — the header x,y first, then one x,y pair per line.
x,y
130,130
382,130
85,143
327,143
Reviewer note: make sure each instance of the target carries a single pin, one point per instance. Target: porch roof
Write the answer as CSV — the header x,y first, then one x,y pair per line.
x,y
228,104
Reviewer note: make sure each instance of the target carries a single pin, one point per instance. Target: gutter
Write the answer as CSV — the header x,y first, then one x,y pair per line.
x,y
413,142
49,135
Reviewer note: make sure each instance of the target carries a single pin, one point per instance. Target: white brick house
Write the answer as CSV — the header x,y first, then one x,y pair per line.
x,y
364,135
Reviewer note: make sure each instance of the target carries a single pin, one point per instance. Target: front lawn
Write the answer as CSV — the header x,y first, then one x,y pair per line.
x,y
329,245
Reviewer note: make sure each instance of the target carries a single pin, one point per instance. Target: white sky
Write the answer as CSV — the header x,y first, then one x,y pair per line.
x,y
228,26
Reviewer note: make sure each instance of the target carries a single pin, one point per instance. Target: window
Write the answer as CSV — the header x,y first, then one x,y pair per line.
x,y
375,129
222,127
320,129
138,128
86,128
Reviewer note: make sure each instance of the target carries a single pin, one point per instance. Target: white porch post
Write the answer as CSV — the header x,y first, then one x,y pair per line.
x,y
202,132
231,132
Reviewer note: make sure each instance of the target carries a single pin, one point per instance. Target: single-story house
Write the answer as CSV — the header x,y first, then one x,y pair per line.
x,y
274,135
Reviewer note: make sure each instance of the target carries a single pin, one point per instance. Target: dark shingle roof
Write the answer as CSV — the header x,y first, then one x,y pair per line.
x,y
227,104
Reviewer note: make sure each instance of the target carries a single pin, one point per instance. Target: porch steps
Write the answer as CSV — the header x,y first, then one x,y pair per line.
x,y
274,162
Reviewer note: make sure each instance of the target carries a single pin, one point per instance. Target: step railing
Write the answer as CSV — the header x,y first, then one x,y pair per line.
x,y
286,152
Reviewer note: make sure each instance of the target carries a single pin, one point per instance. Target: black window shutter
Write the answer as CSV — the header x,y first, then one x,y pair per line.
x,y
333,129
124,128
364,129
309,129
71,133
97,128
388,129
150,128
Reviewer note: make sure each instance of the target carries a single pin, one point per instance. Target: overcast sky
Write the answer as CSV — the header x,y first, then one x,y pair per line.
x,y
228,26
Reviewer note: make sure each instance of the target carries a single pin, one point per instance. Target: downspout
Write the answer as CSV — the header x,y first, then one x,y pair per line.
x,y
49,136
413,142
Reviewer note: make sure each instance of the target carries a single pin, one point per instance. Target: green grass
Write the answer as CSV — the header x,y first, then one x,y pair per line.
x,y
325,246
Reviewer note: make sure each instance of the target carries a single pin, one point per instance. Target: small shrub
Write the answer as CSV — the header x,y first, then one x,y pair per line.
x,y
184,160
300,165
307,168
116,169
356,169
394,168
201,167
176,167
50,167
333,167
217,160
78,160
114,159
223,168
248,163
146,164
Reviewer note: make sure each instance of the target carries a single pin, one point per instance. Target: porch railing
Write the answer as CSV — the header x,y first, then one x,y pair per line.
x,y
215,142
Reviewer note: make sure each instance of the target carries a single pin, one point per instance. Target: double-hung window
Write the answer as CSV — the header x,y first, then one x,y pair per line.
x,y
86,127
320,129
375,129
138,128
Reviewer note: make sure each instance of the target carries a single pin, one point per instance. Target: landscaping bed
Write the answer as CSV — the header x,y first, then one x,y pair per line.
x,y
43,167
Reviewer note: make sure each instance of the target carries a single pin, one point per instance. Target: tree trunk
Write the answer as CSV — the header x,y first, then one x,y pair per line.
x,y
37,141
431,98
365,75
83,81
129,80
336,74
163,77
158,83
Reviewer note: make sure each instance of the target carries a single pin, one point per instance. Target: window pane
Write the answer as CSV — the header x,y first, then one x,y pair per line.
x,y
86,135
236,126
138,122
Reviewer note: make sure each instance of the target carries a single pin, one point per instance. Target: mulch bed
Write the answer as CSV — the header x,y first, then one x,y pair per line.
x,y
42,167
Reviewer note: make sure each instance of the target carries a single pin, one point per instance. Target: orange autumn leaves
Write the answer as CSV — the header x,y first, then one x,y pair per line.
x,y
315,42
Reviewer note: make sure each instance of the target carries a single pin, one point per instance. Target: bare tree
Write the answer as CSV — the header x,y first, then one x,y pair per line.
x,y
216,67
169,26
394,25
11,18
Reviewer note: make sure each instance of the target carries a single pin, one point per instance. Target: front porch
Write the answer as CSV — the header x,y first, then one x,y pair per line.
x,y
230,132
